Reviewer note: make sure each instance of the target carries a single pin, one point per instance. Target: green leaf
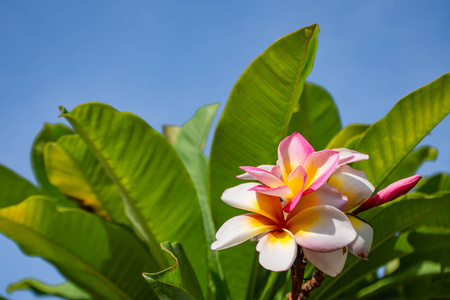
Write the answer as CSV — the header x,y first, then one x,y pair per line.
x,y
160,198
347,133
316,116
178,281
435,184
50,133
101,258
387,221
254,121
275,283
14,189
410,164
66,290
388,141
430,251
189,144
416,273
171,133
75,170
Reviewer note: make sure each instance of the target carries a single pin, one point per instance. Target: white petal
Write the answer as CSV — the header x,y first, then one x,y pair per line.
x,y
247,176
322,228
347,156
363,241
240,196
278,250
243,198
353,184
330,263
239,229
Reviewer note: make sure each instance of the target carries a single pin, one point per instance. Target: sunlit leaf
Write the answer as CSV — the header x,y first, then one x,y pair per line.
x,y
160,198
189,144
65,290
254,121
49,133
343,137
171,133
316,116
14,188
389,140
101,258
410,164
75,170
178,281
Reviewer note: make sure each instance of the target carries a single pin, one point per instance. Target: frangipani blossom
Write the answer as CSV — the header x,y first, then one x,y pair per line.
x,y
318,225
354,185
299,170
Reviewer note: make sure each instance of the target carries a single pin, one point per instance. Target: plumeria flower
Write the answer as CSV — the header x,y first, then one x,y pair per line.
x,y
317,224
354,185
299,171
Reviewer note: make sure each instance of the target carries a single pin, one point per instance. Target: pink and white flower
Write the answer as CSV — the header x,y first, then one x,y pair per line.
x,y
354,185
300,170
318,224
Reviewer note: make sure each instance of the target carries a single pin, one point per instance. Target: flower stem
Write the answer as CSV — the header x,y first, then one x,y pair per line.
x,y
297,273
311,284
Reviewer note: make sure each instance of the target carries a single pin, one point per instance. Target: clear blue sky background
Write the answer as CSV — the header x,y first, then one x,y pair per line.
x,y
164,59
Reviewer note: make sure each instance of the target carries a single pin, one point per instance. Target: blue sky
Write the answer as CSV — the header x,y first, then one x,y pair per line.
x,y
163,59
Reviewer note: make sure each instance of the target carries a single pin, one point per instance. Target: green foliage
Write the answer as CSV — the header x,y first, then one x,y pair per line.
x,y
101,258
65,290
439,183
346,135
255,119
159,196
112,189
399,216
76,172
316,117
389,140
50,133
15,188
189,143
178,281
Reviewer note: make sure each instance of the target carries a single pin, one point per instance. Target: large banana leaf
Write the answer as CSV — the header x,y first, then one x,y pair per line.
x,y
437,183
347,133
178,281
254,121
66,290
14,189
75,170
316,116
422,273
160,198
189,143
410,164
49,133
399,216
389,140
103,259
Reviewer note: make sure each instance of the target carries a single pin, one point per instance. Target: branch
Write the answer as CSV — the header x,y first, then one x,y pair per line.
x,y
297,273
311,284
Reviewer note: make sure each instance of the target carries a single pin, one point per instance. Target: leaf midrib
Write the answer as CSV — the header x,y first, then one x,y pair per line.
x,y
291,104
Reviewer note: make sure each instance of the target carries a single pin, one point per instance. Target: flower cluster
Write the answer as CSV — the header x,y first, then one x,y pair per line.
x,y
305,200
